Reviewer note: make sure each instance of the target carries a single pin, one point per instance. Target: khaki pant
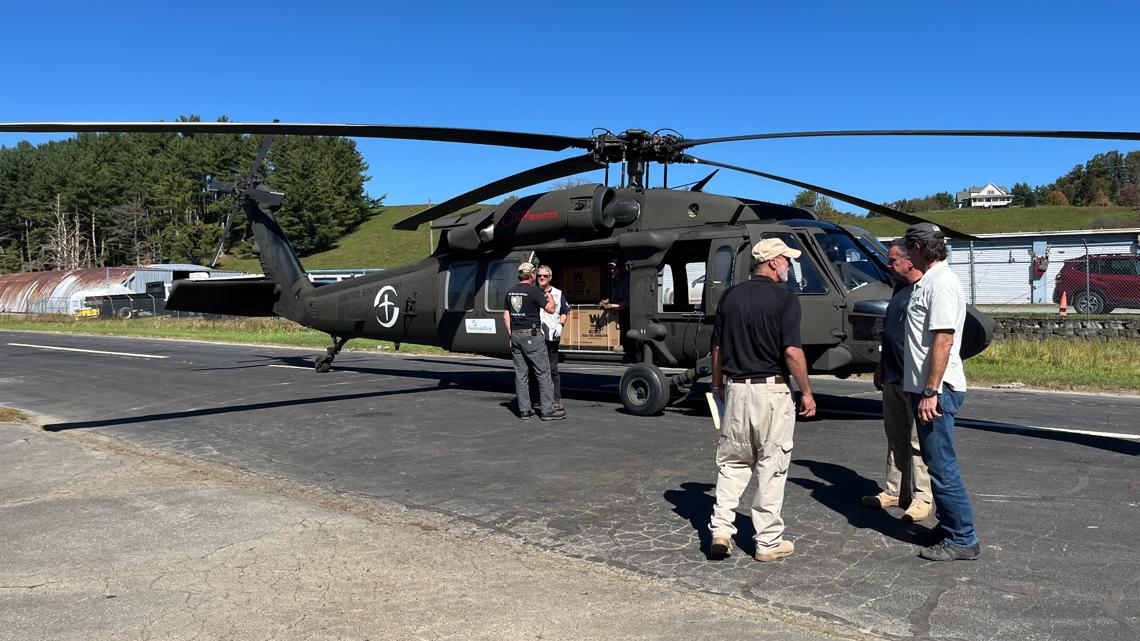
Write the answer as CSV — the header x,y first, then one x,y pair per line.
x,y
755,440
907,476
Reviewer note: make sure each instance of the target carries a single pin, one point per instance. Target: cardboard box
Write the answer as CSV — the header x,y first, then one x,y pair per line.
x,y
589,327
582,284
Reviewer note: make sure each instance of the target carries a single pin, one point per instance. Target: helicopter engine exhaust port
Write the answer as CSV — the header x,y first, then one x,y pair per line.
x,y
644,390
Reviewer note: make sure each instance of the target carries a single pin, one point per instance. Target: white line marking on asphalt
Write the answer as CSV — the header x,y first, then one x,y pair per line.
x,y
291,366
86,351
1018,426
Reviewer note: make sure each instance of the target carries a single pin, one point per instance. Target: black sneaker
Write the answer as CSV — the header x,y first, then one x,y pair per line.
x,y
527,415
947,551
556,415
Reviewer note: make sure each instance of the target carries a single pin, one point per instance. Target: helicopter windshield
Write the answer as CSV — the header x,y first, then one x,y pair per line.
x,y
855,264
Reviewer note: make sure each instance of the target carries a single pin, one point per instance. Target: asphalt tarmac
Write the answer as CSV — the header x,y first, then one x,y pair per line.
x,y
1053,477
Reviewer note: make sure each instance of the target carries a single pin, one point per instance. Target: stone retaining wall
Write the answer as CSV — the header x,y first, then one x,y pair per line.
x,y
1067,327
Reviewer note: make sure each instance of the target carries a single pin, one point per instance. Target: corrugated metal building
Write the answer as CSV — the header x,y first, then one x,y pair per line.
x,y
63,292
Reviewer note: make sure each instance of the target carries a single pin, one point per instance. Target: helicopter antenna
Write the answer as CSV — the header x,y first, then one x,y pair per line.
x,y
700,184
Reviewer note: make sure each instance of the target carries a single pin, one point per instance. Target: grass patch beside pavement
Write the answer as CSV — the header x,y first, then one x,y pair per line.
x,y
1067,364
274,331
1059,364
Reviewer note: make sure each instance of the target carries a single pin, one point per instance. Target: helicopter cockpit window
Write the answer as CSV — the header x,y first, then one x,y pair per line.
x,y
852,262
461,286
803,277
501,276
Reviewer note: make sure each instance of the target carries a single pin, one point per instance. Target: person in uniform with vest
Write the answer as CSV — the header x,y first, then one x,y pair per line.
x,y
755,347
522,318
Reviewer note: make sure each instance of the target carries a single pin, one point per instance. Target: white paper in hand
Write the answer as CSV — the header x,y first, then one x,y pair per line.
x,y
716,408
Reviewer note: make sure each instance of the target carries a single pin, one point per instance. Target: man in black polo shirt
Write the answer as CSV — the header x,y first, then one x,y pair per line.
x,y
755,345
528,344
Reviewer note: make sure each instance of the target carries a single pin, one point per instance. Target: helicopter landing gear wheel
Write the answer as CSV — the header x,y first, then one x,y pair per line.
x,y
324,363
644,390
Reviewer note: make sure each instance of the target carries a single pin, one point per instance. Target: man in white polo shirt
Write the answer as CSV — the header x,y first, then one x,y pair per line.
x,y
934,377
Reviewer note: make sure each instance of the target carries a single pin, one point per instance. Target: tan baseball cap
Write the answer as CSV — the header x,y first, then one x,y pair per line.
x,y
770,248
526,269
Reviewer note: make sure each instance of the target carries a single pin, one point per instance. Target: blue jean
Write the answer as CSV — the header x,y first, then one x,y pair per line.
x,y
951,503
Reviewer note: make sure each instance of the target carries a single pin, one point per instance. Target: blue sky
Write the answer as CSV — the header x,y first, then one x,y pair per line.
x,y
703,69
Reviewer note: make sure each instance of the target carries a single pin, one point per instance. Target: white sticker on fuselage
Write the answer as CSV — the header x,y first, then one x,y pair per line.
x,y
480,325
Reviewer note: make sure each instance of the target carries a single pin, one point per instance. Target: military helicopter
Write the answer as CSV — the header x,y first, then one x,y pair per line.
x,y
679,249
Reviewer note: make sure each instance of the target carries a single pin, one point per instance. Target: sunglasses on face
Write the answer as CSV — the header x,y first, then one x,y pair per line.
x,y
544,275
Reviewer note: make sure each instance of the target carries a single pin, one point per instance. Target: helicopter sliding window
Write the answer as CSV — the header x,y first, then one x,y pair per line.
x,y
854,264
803,278
501,275
461,278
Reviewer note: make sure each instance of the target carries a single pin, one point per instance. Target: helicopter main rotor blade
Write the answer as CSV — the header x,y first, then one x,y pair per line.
x,y
838,195
523,140
997,133
552,171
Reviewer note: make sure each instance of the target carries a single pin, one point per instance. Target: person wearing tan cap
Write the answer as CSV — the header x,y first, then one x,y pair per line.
x,y
755,347
522,318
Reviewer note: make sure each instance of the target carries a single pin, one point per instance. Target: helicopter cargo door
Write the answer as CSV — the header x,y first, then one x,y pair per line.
x,y
822,323
474,295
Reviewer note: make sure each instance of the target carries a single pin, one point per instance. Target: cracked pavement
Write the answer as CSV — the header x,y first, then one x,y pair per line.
x,y
1057,511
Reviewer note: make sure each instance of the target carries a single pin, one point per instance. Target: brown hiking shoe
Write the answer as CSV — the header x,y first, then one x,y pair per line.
x,y
785,548
918,510
882,501
721,546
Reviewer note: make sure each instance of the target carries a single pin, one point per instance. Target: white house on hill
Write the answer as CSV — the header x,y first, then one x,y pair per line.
x,y
989,196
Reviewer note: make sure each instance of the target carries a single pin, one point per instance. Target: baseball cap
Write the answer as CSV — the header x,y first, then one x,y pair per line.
x,y
924,231
770,248
526,269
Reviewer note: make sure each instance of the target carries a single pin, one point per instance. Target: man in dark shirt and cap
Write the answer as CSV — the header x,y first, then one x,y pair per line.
x,y
528,344
908,481
755,346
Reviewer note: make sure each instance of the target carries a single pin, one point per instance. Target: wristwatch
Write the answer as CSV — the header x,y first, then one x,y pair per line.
x,y
929,392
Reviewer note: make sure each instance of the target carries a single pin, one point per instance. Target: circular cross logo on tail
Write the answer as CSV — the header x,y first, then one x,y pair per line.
x,y
387,311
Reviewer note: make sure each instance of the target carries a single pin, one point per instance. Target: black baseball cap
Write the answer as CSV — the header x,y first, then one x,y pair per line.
x,y
924,231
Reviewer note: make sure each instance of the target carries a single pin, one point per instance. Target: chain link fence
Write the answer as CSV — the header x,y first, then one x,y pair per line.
x,y
122,306
1089,279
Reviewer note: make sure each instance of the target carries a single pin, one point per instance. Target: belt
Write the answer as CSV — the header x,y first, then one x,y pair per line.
x,y
533,331
771,380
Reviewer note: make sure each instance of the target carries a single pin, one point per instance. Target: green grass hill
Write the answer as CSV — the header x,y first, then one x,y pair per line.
x,y
373,244
376,244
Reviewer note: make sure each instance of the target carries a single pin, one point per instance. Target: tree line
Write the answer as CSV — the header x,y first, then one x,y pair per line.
x,y
100,200
1110,178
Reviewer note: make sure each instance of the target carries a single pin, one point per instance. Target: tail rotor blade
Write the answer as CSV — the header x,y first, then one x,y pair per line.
x,y
240,192
838,195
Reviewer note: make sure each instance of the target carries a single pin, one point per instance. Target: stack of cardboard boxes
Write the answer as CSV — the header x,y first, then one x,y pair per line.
x,y
588,325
